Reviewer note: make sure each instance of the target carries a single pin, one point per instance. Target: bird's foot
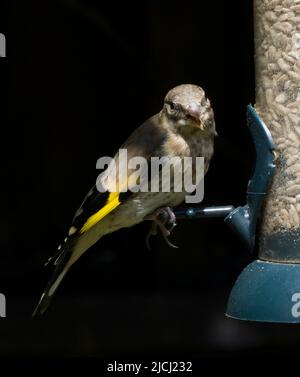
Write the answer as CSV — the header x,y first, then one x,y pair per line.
x,y
164,219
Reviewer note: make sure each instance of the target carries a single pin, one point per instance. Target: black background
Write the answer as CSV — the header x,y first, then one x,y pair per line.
x,y
78,78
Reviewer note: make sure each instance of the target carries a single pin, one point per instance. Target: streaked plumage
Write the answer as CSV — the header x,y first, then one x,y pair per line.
x,y
185,127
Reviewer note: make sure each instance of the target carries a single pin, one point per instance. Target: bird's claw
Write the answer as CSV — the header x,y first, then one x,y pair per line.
x,y
164,219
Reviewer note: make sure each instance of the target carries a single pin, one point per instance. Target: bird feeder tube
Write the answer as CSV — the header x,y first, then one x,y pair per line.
x,y
269,288
277,77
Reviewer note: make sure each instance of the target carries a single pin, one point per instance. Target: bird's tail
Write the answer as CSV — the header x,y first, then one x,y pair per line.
x,y
69,252
63,263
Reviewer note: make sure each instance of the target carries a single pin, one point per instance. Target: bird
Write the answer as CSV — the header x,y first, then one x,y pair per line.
x,y
184,127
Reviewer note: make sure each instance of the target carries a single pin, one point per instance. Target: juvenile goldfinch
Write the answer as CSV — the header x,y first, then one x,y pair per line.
x,y
185,127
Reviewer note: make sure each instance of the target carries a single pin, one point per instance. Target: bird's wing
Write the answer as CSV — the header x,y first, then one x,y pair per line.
x,y
145,141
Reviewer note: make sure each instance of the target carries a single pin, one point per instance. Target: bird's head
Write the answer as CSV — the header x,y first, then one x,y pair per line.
x,y
186,108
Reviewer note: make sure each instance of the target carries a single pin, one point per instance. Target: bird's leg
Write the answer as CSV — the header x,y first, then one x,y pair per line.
x,y
164,219
152,232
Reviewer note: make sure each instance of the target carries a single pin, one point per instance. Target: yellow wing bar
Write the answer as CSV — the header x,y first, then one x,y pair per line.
x,y
112,203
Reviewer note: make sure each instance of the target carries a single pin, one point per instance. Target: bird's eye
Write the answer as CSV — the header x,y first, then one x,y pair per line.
x,y
171,107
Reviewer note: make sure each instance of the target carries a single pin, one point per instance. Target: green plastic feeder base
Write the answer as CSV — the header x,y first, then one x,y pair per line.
x,y
266,292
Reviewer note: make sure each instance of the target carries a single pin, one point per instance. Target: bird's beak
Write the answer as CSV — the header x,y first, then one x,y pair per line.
x,y
201,125
195,115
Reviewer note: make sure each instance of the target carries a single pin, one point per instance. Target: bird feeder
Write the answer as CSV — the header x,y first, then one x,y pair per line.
x,y
269,288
